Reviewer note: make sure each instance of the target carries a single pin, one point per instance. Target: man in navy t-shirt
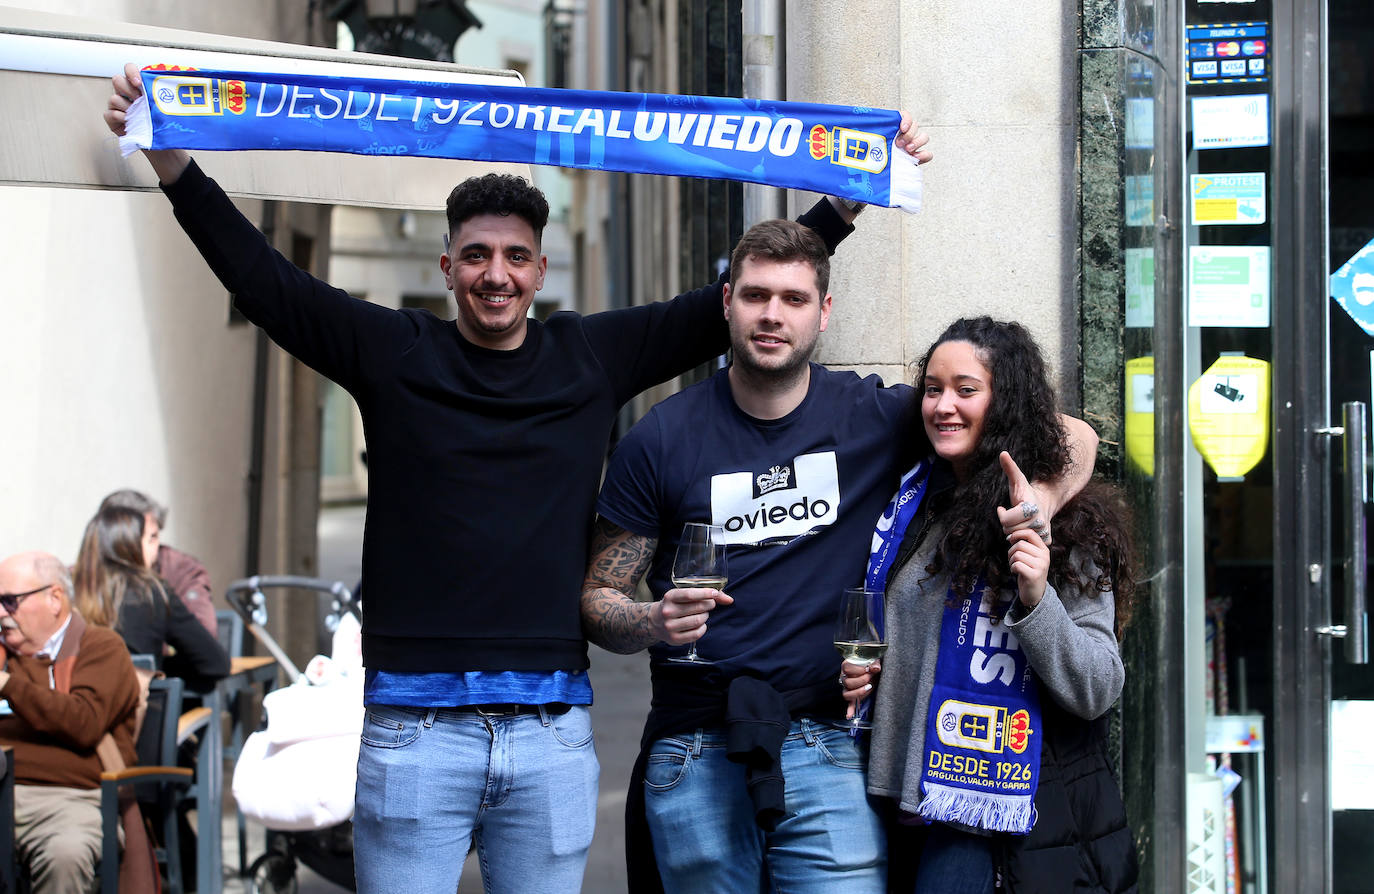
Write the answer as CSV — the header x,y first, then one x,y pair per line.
x,y
742,776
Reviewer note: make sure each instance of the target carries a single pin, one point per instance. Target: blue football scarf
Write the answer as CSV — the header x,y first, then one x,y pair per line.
x,y
983,730
837,150
892,525
887,539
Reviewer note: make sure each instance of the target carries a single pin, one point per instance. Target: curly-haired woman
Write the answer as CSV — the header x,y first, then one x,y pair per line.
x,y
989,724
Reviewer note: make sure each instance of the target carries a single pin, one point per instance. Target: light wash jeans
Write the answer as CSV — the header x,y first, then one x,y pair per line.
x,y
829,840
432,780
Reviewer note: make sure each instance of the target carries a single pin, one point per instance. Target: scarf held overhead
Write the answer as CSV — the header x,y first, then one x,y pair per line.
x,y
842,151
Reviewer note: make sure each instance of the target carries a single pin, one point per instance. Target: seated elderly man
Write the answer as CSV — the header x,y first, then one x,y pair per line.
x,y
65,685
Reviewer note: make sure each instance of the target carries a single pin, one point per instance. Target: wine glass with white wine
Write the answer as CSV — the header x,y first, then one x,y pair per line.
x,y
857,637
700,562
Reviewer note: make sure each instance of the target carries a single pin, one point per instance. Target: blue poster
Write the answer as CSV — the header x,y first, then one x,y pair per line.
x,y
1352,287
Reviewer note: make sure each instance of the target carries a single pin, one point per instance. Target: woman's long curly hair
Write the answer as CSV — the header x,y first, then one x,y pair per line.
x,y
110,567
1022,418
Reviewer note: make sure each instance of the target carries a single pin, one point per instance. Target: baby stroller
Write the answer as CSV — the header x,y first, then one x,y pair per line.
x,y
296,775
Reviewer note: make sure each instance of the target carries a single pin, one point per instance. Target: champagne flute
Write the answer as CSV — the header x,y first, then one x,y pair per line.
x,y
700,562
857,637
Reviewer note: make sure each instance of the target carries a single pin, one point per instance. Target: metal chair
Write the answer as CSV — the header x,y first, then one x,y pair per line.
x,y
157,782
9,867
230,625
229,631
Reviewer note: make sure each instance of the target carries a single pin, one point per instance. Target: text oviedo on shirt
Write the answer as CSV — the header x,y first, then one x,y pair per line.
x,y
785,500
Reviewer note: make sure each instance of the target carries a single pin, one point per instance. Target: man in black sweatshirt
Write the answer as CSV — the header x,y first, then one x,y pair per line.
x,y
485,441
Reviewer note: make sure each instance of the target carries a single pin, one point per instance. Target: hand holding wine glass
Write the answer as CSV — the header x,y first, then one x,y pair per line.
x,y
699,564
858,640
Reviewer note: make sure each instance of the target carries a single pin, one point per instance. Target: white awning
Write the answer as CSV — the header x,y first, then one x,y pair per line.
x,y
55,75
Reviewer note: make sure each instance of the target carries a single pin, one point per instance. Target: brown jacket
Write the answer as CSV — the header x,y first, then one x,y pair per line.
x,y
54,734
188,577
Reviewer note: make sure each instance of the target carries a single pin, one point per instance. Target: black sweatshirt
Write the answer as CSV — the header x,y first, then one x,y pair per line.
x,y
483,465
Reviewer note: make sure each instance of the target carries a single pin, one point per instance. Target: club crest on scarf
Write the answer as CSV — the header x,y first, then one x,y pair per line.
x,y
982,738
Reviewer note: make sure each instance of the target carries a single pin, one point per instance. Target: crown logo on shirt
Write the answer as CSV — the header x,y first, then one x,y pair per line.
x,y
774,478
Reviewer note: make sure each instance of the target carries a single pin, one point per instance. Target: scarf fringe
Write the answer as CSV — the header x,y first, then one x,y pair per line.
x,y
138,128
975,810
906,189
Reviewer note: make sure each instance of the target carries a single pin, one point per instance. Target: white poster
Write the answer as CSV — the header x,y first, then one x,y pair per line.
x,y
1221,122
1228,285
1352,755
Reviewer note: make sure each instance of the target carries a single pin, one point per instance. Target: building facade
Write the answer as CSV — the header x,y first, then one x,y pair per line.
x,y
123,354
1160,190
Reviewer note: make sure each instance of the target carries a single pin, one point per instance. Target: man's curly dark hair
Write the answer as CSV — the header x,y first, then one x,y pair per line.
x,y
498,194
1022,418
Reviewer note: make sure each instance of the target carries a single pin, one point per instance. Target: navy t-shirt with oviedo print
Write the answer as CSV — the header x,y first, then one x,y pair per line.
x,y
797,497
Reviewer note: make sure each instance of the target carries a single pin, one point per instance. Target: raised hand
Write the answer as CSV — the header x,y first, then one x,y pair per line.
x,y
1029,559
912,140
1031,508
168,164
127,88
1028,534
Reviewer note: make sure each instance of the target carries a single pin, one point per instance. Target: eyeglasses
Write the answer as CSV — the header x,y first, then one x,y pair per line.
x,y
10,601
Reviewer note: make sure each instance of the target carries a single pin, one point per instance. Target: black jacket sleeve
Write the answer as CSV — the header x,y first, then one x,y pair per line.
x,y
199,658
324,327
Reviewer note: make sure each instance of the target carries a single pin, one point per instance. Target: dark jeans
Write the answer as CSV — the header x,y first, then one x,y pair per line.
x,y
955,862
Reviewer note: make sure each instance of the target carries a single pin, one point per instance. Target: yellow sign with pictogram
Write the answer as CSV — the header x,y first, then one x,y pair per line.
x,y
1228,414
1140,413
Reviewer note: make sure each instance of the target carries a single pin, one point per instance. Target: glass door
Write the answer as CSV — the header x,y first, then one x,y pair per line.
x,y
1231,351
1351,369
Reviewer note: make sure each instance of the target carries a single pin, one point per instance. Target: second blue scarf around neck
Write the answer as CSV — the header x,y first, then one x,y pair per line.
x,y
981,764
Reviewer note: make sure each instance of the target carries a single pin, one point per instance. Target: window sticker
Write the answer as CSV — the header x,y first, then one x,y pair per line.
x,y
1140,200
1352,754
1234,53
1140,288
1221,199
1352,287
1140,413
1228,285
1225,122
1228,414
1140,122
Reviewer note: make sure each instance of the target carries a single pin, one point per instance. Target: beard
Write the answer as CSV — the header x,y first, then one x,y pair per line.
x,y
777,369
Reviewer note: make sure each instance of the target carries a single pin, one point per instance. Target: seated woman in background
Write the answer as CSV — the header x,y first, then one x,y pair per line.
x,y
1002,649
116,587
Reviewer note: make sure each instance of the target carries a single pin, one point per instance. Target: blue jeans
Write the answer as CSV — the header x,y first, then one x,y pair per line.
x,y
430,781
955,862
829,840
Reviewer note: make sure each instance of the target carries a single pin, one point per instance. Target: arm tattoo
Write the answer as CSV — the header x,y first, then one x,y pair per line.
x,y
611,617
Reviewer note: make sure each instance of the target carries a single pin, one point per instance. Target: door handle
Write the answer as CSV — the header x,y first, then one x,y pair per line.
x,y
1356,547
